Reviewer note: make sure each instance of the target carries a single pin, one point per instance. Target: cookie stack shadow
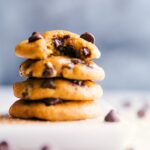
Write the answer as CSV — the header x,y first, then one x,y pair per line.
x,y
60,77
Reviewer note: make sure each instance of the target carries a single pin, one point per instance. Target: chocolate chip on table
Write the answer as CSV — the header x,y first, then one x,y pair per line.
x,y
111,117
4,145
48,84
141,113
35,36
85,52
52,101
45,148
88,37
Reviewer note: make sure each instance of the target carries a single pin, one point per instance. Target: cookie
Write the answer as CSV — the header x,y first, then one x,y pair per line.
x,y
64,111
61,66
58,42
35,89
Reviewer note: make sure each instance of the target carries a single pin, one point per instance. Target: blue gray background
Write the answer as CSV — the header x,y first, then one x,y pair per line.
x,y
121,28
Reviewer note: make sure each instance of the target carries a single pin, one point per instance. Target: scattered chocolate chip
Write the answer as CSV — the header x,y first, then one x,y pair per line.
x,y
111,117
35,36
85,52
88,37
25,95
48,84
126,104
52,101
78,82
4,145
141,113
76,61
45,148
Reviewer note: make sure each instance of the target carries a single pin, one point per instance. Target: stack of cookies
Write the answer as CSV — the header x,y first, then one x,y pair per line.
x,y
60,76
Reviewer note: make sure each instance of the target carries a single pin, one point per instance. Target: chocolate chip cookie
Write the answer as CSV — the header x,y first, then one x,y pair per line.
x,y
58,42
61,66
60,111
35,89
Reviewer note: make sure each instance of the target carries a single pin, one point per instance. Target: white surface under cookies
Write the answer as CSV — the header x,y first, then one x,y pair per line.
x,y
81,135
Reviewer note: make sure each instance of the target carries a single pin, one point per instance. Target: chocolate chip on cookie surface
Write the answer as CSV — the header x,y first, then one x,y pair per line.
x,y
60,42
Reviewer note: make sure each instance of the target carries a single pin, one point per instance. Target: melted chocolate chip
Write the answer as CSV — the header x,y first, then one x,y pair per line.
x,y
66,37
57,43
48,84
52,101
112,117
78,82
68,51
30,74
47,72
35,36
86,52
25,95
76,61
4,145
88,37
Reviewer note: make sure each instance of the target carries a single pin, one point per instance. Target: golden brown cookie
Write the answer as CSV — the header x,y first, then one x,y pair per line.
x,y
64,111
58,42
61,66
35,89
